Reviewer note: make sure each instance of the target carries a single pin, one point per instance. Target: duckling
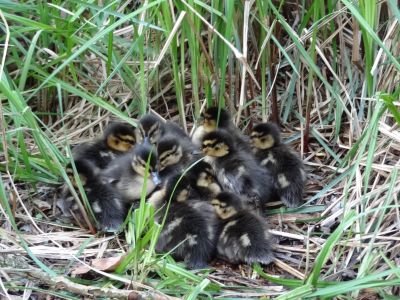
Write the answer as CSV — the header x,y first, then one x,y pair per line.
x,y
202,179
286,167
190,228
106,202
117,139
173,154
244,235
215,117
151,128
237,170
127,173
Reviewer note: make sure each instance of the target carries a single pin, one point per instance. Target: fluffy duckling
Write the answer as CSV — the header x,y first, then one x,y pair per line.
x,y
190,227
215,117
286,167
151,128
202,179
237,170
117,139
106,203
127,173
174,154
244,235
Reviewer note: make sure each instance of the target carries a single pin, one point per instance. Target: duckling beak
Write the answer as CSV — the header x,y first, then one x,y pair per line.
x,y
146,140
156,178
196,152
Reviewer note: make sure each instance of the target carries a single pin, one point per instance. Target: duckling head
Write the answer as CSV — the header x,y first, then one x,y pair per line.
x,y
227,204
178,188
169,151
203,175
150,128
86,170
216,117
120,136
265,136
218,143
143,156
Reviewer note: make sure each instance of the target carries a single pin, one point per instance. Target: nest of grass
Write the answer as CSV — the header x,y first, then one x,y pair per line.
x,y
347,230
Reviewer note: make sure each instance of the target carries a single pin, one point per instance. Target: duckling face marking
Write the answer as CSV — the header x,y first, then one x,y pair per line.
x,y
139,166
262,141
170,157
215,148
120,142
282,180
152,133
209,124
206,180
223,210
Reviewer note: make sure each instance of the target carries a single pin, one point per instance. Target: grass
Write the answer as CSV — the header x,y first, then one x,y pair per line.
x,y
328,71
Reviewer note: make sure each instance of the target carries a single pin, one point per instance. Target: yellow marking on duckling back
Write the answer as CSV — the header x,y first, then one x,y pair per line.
x,y
156,198
227,226
270,159
283,182
96,207
245,240
191,239
182,196
174,224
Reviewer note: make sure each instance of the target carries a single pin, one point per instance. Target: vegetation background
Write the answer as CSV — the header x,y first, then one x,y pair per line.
x,y
326,71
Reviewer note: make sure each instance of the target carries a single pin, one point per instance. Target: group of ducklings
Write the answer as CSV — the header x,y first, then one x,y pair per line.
x,y
208,189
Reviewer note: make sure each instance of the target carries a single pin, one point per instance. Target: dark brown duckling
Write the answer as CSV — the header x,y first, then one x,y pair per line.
x,y
285,165
190,223
237,170
127,173
106,203
152,128
244,235
219,118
